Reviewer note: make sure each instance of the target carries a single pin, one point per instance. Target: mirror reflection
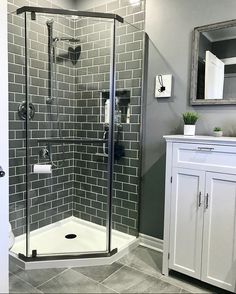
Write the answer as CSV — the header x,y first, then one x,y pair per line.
x,y
214,64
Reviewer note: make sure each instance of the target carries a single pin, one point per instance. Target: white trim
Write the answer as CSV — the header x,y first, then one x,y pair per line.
x,y
201,139
167,214
151,242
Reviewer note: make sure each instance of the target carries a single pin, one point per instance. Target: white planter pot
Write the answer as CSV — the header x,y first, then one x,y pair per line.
x,y
218,134
189,130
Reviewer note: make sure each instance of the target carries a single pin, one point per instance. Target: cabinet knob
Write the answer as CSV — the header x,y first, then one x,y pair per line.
x,y
2,172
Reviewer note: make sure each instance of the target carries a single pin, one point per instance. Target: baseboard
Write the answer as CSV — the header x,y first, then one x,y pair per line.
x,y
151,242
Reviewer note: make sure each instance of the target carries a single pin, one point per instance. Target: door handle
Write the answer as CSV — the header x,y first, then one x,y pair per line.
x,y
199,199
2,172
207,201
208,149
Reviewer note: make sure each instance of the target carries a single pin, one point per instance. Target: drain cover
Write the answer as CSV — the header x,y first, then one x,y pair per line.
x,y
70,236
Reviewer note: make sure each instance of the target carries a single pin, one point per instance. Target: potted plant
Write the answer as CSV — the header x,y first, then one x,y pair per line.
x,y
217,132
190,119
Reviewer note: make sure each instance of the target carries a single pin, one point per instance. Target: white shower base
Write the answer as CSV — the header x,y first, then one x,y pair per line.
x,y
50,240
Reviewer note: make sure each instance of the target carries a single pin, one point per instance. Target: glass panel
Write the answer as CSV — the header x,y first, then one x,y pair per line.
x,y
17,134
69,68
69,65
93,79
129,56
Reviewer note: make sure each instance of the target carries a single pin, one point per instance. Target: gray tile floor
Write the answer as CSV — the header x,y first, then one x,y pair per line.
x,y
137,272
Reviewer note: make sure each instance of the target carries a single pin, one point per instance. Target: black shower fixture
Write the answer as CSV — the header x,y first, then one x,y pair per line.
x,y
72,40
73,54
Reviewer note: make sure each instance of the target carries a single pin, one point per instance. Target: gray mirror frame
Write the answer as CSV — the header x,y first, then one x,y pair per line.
x,y
194,65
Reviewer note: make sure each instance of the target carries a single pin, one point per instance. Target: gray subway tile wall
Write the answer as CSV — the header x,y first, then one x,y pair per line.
x,y
92,78
17,133
50,196
79,188
57,194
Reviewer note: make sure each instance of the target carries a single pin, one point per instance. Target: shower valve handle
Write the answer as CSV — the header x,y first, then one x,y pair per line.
x,y
2,172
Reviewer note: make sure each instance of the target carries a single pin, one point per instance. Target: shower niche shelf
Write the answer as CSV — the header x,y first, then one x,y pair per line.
x,y
101,154
122,107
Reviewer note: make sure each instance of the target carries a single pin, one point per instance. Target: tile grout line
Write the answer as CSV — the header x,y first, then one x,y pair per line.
x,y
183,288
112,274
100,283
180,288
52,278
91,279
95,280
125,265
161,278
26,283
148,274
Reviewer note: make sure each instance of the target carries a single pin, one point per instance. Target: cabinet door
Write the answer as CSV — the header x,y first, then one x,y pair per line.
x,y
219,235
186,221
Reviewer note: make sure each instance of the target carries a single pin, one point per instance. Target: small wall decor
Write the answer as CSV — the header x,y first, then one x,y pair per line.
x,y
163,86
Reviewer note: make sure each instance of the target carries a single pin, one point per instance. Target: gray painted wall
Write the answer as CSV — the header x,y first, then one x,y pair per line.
x,y
65,4
169,24
88,4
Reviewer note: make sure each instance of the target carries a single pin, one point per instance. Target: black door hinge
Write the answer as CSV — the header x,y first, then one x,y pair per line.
x,y
34,253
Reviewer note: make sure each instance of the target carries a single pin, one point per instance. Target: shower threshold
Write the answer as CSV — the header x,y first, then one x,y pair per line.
x,y
51,241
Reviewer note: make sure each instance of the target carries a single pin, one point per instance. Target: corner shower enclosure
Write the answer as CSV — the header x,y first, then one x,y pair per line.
x,y
81,135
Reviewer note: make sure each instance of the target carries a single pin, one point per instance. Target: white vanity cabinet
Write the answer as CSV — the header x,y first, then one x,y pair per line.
x,y
200,209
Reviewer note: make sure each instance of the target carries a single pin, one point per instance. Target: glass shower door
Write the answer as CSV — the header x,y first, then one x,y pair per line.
x,y
69,67
127,166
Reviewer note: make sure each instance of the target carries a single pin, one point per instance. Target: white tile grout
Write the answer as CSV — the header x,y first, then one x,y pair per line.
x,y
53,278
113,274
91,279
25,283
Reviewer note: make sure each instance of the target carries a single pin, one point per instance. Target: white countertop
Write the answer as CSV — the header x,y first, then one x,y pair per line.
x,y
203,139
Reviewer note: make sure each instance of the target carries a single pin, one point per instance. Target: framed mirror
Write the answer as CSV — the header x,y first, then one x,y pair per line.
x,y
213,72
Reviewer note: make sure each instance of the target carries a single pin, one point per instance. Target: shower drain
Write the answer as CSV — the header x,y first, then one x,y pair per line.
x,y
71,236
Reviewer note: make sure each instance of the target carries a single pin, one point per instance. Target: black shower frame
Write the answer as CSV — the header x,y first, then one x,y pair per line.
x,y
109,252
35,9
